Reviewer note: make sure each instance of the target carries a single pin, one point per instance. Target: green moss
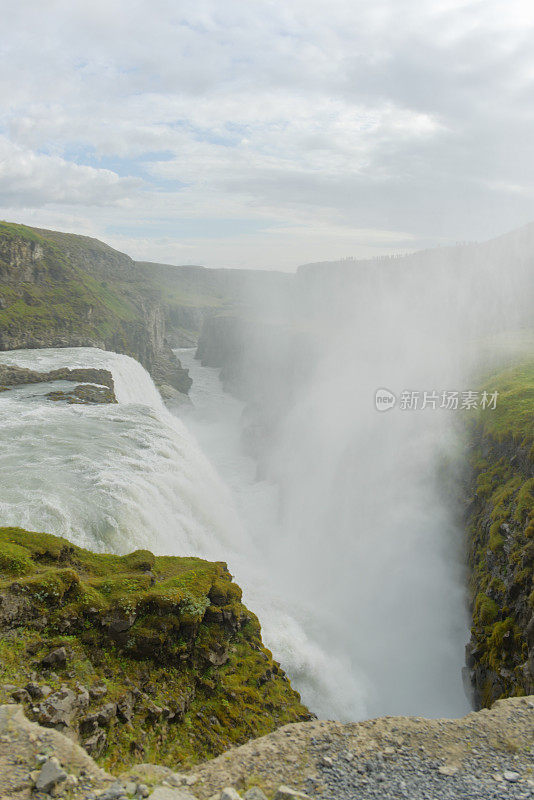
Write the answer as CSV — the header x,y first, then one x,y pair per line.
x,y
15,560
151,623
496,541
486,609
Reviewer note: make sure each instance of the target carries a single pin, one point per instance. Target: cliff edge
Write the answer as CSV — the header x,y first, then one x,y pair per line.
x,y
136,657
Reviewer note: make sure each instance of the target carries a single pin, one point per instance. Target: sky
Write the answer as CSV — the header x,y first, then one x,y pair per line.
x,y
268,133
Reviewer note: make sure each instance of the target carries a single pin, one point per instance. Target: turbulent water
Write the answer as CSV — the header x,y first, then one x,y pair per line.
x,y
110,476
119,477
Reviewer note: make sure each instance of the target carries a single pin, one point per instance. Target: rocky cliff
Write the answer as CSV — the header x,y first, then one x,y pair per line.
x,y
138,658
59,290
500,655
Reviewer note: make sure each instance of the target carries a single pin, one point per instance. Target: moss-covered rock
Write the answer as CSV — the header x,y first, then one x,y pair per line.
x,y
500,655
163,661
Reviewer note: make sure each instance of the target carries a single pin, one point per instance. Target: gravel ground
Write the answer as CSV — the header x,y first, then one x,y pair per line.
x,y
485,755
407,774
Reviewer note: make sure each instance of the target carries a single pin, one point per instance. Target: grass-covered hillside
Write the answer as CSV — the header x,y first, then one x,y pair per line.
x,y
54,284
143,658
59,289
501,539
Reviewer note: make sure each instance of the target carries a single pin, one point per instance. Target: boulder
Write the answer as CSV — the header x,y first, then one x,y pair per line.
x,y
94,744
118,621
254,793
58,709
82,696
125,707
153,712
97,691
56,658
20,696
230,794
50,775
36,691
286,793
105,714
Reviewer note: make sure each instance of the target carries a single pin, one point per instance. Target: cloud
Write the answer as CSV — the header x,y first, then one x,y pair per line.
x,y
32,179
394,116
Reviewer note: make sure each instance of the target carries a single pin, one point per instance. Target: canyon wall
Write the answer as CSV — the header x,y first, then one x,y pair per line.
x,y
500,524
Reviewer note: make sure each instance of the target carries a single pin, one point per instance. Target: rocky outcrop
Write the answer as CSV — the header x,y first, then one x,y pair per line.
x,y
18,376
22,747
137,656
388,757
500,518
98,386
62,290
84,395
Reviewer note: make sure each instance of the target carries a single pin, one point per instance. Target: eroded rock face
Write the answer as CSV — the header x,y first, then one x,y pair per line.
x,y
56,658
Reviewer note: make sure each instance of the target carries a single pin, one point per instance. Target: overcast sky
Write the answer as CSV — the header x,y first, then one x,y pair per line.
x,y
267,133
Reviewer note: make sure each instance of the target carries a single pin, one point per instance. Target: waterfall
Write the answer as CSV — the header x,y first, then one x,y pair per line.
x,y
110,477
114,478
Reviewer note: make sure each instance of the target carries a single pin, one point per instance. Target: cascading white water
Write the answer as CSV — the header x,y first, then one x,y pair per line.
x,y
113,476
132,382
120,477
